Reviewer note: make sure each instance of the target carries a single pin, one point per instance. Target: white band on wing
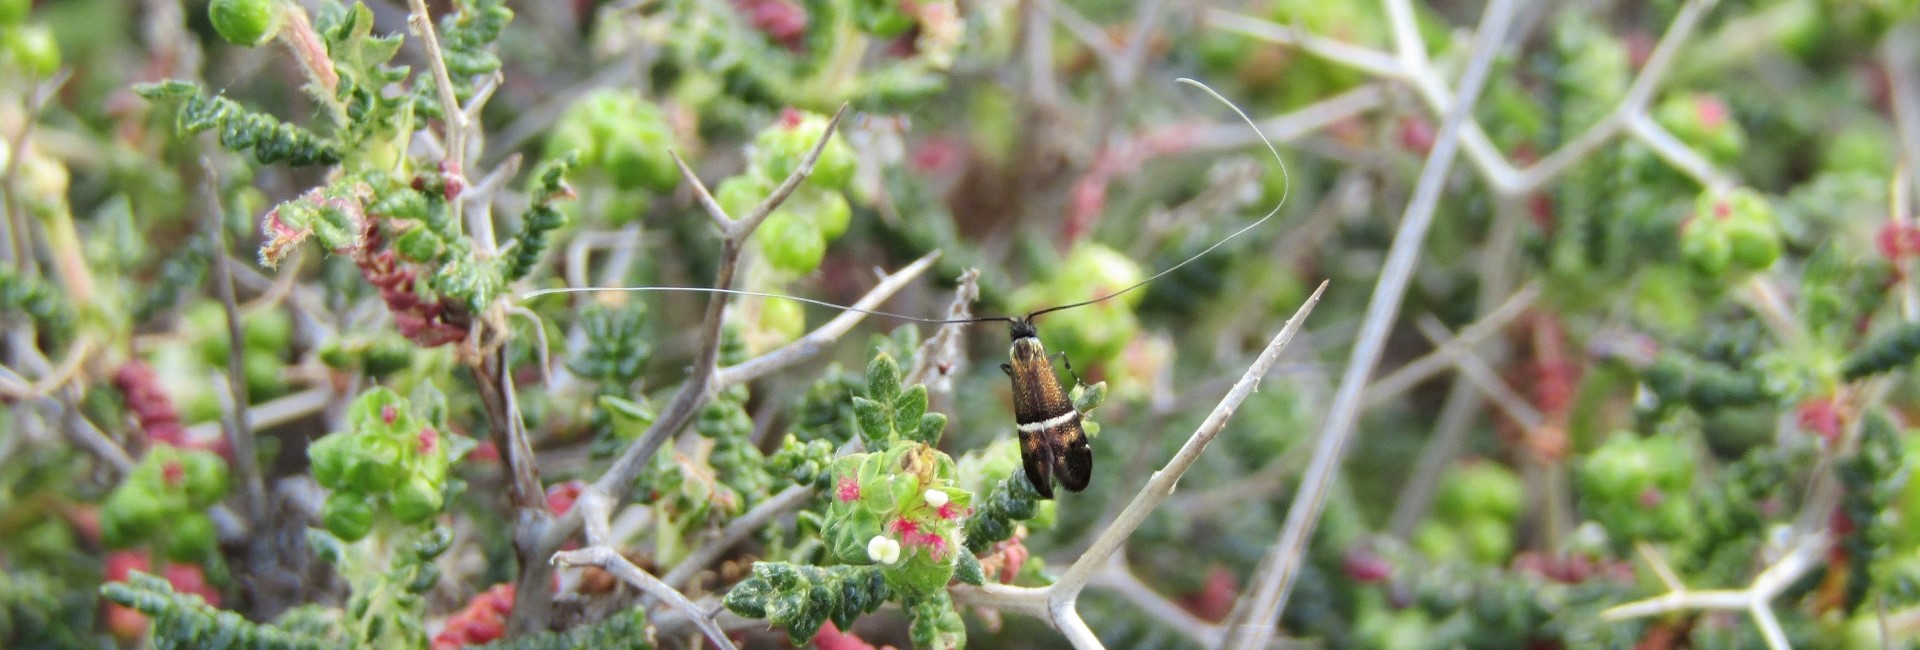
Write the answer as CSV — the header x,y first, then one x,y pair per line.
x,y
1048,423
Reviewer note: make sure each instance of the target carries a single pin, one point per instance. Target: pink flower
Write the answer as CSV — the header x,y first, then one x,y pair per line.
x,y
848,489
906,527
947,511
429,439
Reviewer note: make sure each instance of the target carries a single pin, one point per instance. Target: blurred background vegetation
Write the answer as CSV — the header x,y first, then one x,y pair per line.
x,y
266,333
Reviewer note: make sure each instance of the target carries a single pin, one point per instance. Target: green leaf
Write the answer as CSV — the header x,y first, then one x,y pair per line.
x,y
872,419
967,570
908,407
930,427
883,379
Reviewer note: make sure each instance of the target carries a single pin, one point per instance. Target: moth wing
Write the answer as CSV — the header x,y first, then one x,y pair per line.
x,y
1038,459
1073,465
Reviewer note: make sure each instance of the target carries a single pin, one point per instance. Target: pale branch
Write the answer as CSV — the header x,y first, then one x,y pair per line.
x,y
85,433
1756,599
814,342
620,567
1409,63
685,403
273,412
453,115
1461,407
736,531
1649,132
1900,53
246,463
1260,607
1632,108
1481,375
1364,59
1404,378
941,356
1120,579
712,205
1292,125
1056,603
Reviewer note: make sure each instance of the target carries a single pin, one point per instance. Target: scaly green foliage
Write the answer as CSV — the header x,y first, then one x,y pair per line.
x,y
269,139
185,621
800,598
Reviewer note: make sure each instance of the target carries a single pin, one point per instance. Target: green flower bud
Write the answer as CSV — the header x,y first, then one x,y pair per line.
x,y
387,355
779,150
1437,541
264,378
1755,245
1705,246
374,463
882,18
204,476
129,515
1481,490
417,500
791,243
245,22
14,12
348,515
828,209
638,159
329,459
34,49
739,195
190,538
1488,540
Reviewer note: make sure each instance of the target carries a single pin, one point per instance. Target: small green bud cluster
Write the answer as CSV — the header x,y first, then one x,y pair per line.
x,y
803,463
795,235
389,462
1637,487
266,335
164,502
30,47
1732,231
1478,505
622,135
1704,123
1095,333
374,356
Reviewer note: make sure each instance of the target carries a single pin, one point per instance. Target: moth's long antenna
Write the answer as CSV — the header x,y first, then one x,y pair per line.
x,y
761,294
1276,207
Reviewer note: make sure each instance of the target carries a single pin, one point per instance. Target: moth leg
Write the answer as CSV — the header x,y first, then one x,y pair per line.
x,y
1062,357
1007,368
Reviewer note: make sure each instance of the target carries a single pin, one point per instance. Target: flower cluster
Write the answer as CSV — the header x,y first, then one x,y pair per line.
x,y
389,460
483,620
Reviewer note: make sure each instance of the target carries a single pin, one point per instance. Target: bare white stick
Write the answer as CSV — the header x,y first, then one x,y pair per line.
x,y
1266,597
1755,599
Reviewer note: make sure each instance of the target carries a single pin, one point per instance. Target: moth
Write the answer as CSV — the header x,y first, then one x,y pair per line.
x,y
1053,446
1053,443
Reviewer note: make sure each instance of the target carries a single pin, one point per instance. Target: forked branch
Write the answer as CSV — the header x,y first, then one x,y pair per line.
x,y
1057,603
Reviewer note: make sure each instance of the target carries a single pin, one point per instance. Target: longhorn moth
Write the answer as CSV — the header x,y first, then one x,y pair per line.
x,y
1053,446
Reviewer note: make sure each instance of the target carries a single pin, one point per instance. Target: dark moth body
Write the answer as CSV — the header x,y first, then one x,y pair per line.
x,y
1052,444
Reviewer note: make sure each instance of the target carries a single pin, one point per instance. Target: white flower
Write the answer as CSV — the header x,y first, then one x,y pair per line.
x,y
883,549
935,498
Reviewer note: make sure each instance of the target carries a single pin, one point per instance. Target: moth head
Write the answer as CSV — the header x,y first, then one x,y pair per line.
x,y
1022,328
